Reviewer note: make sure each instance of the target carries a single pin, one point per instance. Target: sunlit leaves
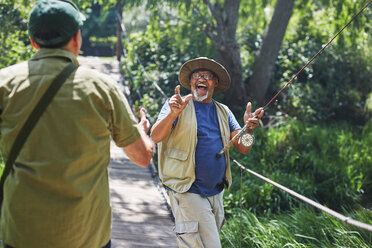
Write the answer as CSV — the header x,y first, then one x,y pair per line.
x,y
14,45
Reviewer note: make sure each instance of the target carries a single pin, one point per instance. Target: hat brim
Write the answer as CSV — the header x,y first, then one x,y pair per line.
x,y
190,66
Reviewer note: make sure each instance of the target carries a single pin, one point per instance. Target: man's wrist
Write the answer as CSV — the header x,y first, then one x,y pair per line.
x,y
249,130
172,115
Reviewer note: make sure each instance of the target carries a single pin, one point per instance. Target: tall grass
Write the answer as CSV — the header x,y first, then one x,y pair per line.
x,y
302,227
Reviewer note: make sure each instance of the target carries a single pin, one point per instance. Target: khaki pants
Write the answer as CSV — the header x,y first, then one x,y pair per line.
x,y
198,219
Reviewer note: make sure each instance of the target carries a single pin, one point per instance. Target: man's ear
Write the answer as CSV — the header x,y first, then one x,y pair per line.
x,y
76,36
33,43
215,82
76,42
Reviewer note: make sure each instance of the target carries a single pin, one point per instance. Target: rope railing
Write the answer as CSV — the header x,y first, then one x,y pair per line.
x,y
335,214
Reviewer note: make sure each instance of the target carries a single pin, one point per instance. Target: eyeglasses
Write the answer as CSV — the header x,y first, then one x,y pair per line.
x,y
197,75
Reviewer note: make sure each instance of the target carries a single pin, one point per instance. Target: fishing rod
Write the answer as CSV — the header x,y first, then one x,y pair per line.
x,y
248,139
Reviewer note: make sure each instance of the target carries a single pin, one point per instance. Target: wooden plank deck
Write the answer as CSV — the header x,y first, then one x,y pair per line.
x,y
140,217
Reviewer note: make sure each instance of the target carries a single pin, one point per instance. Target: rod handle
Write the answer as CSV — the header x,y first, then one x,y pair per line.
x,y
231,142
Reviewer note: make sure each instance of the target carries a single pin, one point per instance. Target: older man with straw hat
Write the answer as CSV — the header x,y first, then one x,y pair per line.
x,y
190,131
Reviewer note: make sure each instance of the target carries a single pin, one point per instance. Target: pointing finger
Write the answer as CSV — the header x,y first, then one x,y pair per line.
x,y
249,107
143,114
177,90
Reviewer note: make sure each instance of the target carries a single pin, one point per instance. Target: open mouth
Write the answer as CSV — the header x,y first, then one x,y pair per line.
x,y
201,89
201,86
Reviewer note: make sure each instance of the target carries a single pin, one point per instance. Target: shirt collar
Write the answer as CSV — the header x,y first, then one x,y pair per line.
x,y
54,52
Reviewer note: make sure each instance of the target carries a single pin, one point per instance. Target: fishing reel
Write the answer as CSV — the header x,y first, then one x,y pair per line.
x,y
247,139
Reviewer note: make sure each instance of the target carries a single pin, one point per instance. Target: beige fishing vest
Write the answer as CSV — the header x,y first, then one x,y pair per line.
x,y
177,151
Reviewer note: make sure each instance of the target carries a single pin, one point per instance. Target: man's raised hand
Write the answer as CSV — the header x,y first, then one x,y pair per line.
x,y
144,122
177,103
251,119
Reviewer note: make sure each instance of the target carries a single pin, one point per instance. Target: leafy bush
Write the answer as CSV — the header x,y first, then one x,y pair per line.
x,y
333,88
336,85
14,45
99,31
154,56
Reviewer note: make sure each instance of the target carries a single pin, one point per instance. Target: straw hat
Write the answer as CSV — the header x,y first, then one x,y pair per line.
x,y
204,63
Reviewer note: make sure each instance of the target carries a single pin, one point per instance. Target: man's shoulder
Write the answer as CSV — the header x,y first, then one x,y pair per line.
x,y
223,106
19,70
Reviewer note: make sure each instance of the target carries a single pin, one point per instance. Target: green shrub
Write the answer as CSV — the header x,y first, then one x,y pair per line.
x,y
14,45
156,56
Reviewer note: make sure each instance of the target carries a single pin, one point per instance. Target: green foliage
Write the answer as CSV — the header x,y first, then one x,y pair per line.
x,y
99,31
14,46
368,105
97,41
329,164
106,4
335,86
157,56
301,228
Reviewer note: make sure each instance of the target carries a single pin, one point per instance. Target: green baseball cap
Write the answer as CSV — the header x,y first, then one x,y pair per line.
x,y
59,16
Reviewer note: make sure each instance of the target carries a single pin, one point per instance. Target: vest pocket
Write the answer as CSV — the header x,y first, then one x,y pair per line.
x,y
176,154
177,165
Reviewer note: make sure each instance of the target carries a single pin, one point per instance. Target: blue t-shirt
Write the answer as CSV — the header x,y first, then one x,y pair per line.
x,y
209,170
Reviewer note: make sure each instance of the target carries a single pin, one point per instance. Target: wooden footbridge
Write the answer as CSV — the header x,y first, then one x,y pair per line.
x,y
140,214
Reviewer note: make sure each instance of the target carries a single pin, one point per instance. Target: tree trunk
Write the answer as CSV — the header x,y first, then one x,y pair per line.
x,y
230,58
264,64
222,35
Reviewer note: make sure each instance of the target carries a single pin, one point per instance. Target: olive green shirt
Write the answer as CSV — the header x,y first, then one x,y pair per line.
x,y
58,193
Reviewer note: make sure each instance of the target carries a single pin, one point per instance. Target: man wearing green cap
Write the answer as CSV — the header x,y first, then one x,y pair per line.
x,y
57,193
191,130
